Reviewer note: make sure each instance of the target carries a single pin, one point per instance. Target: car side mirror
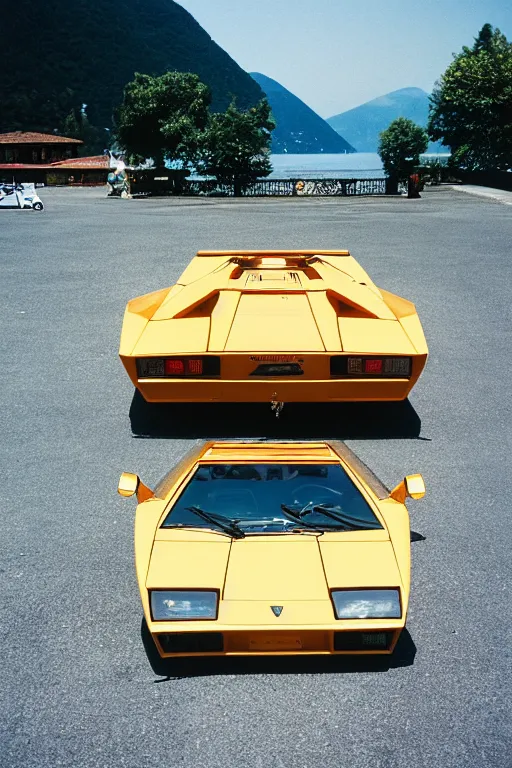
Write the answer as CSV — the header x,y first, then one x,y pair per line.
x,y
130,484
412,486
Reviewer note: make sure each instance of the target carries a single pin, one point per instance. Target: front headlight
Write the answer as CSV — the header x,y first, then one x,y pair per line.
x,y
179,605
367,603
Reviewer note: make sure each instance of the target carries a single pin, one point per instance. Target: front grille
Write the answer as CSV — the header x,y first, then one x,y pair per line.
x,y
191,642
374,640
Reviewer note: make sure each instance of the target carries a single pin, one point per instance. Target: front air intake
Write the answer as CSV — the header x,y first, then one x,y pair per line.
x,y
374,640
191,642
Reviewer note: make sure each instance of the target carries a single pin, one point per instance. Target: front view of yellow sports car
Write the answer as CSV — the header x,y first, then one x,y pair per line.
x,y
272,548
286,326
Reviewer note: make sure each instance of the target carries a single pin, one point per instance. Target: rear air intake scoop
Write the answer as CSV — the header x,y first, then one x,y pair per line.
x,y
242,272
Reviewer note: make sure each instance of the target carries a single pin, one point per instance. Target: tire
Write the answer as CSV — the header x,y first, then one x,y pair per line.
x,y
38,207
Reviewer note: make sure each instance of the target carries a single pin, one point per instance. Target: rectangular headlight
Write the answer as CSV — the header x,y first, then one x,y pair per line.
x,y
181,605
367,603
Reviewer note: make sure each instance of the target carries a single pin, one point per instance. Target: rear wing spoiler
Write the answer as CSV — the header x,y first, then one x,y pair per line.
x,y
297,253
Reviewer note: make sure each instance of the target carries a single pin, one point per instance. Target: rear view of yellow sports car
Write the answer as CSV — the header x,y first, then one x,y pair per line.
x,y
285,326
272,548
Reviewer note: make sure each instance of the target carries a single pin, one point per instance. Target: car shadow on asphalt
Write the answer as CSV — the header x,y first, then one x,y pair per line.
x,y
175,669
256,420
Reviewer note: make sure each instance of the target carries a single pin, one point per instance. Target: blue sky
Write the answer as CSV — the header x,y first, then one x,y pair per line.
x,y
336,54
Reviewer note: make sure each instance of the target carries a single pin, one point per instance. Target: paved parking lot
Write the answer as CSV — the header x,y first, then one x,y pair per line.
x,y
77,688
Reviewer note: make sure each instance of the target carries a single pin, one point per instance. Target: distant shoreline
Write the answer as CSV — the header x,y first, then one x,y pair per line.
x,y
358,165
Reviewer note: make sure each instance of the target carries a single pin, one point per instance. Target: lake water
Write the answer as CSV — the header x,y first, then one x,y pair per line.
x,y
359,165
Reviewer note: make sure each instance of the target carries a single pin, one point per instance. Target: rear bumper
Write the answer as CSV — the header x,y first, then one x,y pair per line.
x,y
285,642
243,391
235,385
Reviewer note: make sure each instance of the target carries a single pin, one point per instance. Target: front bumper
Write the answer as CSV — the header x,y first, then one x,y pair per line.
x,y
283,642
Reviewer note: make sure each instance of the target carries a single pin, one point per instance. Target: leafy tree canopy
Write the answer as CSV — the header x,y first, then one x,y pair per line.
x,y
163,117
77,126
236,145
471,106
400,147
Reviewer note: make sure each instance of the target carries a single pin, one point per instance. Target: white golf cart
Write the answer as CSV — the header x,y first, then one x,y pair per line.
x,y
20,196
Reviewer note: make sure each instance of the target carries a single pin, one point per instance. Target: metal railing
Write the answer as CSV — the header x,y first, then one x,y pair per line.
x,y
289,187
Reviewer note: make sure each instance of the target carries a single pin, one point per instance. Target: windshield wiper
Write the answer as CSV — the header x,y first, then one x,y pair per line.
x,y
350,522
228,526
292,515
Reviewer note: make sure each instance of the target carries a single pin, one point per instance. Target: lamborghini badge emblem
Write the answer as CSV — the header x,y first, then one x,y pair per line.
x,y
277,609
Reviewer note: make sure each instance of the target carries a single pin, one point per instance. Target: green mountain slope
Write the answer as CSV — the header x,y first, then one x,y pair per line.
x,y
299,130
361,126
92,48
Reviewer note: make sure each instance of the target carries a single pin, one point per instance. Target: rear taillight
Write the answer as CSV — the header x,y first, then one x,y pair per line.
x,y
183,366
389,367
177,367
174,367
373,366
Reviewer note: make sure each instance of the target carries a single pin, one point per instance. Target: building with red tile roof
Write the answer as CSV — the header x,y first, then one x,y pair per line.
x,y
36,148
96,162
79,170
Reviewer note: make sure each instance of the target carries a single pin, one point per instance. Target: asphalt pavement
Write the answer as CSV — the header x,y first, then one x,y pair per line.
x,y
76,687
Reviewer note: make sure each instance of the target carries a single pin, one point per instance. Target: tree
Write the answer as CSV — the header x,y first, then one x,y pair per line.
x,y
400,147
163,117
34,110
471,105
236,145
76,125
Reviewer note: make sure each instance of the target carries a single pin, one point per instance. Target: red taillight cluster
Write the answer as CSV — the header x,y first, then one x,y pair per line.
x,y
390,367
373,366
176,367
183,366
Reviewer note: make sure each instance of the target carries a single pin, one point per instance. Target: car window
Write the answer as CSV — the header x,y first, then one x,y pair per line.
x,y
252,493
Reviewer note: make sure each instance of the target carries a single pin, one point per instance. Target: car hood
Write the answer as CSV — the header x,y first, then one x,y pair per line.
x,y
276,568
333,307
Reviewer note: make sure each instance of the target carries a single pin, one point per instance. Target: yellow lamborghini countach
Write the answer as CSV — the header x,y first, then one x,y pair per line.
x,y
285,326
272,548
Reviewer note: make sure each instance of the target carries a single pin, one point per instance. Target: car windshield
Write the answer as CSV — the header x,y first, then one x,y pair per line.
x,y
273,498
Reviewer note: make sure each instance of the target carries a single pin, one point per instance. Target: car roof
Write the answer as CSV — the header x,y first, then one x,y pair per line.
x,y
257,451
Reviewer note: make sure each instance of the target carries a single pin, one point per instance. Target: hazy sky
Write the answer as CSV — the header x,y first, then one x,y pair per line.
x,y
336,54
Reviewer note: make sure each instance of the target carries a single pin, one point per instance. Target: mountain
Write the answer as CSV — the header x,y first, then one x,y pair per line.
x,y
299,130
361,126
60,54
